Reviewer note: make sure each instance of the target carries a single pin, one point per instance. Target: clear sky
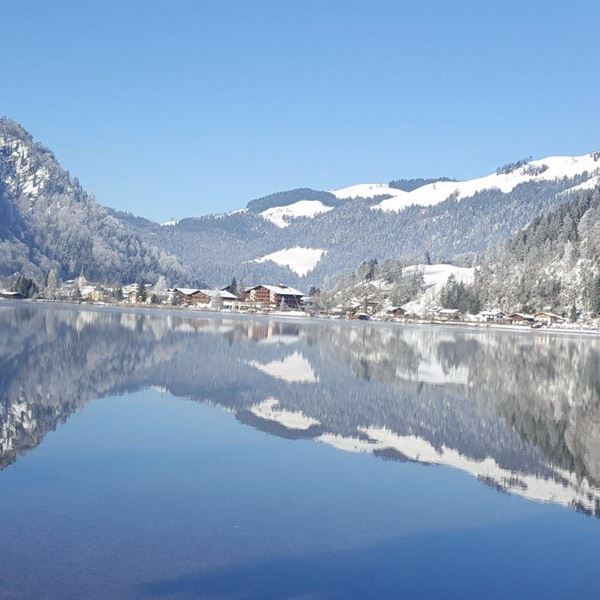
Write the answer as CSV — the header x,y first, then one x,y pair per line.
x,y
181,109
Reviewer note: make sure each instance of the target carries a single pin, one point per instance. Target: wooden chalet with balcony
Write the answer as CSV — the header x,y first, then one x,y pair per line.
x,y
273,296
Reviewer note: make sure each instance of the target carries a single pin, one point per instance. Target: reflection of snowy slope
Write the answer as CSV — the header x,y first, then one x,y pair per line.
x,y
293,369
560,489
519,412
435,374
267,409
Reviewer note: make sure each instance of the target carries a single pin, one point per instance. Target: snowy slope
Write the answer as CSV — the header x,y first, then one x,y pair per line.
x,y
269,410
434,278
547,169
437,275
300,260
281,215
368,190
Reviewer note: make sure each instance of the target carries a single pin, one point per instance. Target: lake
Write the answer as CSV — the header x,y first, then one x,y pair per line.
x,y
179,455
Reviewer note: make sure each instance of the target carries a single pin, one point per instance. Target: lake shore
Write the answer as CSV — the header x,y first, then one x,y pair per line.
x,y
571,330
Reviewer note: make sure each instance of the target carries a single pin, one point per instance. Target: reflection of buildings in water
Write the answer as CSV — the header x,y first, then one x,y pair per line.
x,y
505,408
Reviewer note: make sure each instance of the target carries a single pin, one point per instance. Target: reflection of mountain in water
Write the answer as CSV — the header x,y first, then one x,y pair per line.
x,y
520,412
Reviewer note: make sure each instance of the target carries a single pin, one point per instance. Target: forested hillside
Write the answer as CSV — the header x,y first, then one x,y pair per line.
x,y
302,237
352,232
553,263
48,221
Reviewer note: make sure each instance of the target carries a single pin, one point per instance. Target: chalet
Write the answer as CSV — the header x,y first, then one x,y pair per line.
x,y
396,312
444,314
359,316
491,316
130,291
11,295
520,319
273,295
195,296
548,317
191,296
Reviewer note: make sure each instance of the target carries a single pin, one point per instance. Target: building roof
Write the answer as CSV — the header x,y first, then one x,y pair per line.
x,y
224,294
282,290
491,313
547,313
187,291
7,293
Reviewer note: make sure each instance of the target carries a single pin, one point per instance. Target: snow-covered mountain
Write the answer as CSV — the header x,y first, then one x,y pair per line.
x,y
302,236
305,236
48,221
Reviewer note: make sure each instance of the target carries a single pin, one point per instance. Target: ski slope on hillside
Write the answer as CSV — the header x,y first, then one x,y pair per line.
x,y
434,278
282,215
300,260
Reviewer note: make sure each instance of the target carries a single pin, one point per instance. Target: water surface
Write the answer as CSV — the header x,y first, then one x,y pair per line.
x,y
167,455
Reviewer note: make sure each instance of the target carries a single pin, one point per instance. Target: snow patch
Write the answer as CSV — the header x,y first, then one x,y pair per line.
x,y
589,184
546,169
300,260
368,190
282,215
434,278
267,409
293,369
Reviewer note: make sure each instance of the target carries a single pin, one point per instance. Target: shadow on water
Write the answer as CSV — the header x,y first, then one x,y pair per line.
x,y
444,565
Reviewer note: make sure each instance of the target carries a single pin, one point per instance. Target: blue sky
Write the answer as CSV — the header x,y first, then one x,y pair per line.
x,y
179,109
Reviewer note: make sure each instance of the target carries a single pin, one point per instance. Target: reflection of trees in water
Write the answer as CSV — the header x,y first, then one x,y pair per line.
x,y
528,401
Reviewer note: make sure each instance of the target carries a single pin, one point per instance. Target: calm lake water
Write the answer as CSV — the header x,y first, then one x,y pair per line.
x,y
162,455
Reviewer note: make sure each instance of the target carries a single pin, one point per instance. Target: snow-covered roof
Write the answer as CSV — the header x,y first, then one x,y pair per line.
x,y
547,313
224,294
282,290
7,293
187,291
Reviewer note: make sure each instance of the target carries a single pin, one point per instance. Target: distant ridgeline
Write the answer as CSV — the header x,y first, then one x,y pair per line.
x,y
300,237
451,221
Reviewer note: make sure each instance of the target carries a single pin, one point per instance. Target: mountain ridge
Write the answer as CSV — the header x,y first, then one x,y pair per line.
x,y
49,221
